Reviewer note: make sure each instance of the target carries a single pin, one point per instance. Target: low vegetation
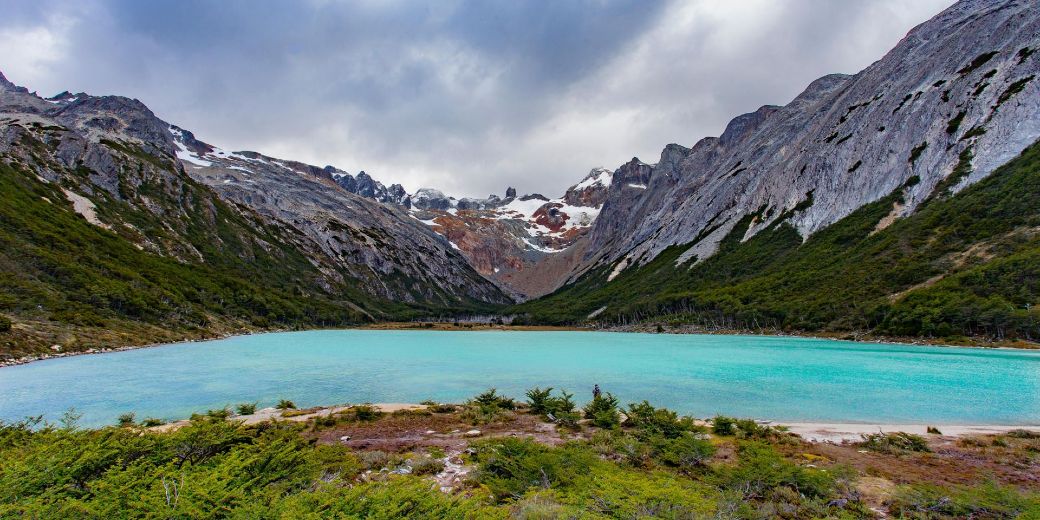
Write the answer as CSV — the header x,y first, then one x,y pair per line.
x,y
651,463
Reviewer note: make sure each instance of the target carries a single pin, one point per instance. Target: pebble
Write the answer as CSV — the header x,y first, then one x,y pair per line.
x,y
472,433
345,438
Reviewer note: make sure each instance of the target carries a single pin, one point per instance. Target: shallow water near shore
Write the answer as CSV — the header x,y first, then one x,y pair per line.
x,y
780,378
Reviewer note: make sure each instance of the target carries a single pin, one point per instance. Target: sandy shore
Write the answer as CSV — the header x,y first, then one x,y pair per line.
x,y
838,432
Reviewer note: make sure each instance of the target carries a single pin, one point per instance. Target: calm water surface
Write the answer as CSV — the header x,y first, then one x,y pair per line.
x,y
791,379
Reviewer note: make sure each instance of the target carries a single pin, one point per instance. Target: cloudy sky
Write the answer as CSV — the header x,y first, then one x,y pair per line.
x,y
469,97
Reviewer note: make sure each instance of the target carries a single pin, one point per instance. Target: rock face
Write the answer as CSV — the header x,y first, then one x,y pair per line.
x,y
522,243
113,150
962,88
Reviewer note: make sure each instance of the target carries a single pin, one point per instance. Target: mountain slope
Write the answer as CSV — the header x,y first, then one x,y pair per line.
x,y
964,264
794,217
965,80
106,240
522,243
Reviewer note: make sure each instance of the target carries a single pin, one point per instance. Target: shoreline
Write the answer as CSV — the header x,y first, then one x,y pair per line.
x,y
814,432
442,326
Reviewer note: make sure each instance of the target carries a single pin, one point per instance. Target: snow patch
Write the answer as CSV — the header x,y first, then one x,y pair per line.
x,y
185,155
598,176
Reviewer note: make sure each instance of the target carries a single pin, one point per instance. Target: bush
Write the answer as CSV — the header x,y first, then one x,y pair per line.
x,y
246,409
152,422
539,400
477,414
126,419
222,413
653,421
761,470
894,442
509,467
285,404
568,419
364,412
933,430
688,452
436,407
560,408
5,324
491,398
603,411
426,466
374,460
988,500
722,425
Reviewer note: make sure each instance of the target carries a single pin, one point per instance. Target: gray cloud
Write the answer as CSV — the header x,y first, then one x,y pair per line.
x,y
466,96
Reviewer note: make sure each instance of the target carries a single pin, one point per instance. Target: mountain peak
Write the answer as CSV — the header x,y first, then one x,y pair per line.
x,y
8,86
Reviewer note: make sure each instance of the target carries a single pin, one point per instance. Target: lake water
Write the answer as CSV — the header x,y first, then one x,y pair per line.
x,y
792,379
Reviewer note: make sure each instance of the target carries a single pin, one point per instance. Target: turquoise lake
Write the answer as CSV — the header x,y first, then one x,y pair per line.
x,y
786,379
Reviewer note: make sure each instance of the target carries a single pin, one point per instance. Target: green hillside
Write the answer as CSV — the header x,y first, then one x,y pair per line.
x,y
65,281
962,265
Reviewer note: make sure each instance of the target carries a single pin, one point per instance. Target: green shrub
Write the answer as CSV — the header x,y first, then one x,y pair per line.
x,y
221,413
364,412
435,407
5,324
426,466
761,470
478,414
569,420
722,425
602,410
987,500
509,467
491,398
246,409
126,419
539,400
559,408
933,430
687,452
894,442
285,404
152,422
653,421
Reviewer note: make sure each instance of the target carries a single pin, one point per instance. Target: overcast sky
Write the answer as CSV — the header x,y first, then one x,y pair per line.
x,y
468,97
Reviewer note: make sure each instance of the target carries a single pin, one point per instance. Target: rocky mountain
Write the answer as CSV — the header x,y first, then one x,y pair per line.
x,y
505,239
118,227
855,170
956,98
397,257
522,243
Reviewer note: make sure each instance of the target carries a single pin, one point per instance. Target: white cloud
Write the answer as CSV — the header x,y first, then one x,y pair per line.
x,y
468,98
31,53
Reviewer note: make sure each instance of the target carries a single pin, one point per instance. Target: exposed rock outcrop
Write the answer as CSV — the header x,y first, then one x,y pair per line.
x,y
110,149
961,88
